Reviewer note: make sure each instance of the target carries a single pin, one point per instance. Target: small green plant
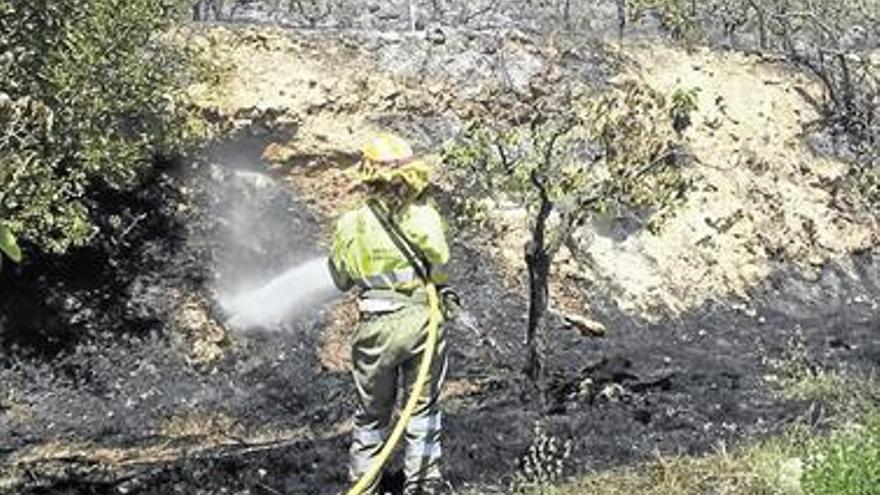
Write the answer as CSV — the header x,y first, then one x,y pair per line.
x,y
772,467
542,467
683,103
798,376
847,462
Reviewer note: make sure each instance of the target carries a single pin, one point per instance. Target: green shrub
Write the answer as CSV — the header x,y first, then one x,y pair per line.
x,y
90,94
847,462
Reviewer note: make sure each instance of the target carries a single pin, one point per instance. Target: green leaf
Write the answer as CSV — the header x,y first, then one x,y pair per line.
x,y
8,244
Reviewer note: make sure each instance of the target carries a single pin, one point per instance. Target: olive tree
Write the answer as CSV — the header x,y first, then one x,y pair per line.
x,y
615,151
90,98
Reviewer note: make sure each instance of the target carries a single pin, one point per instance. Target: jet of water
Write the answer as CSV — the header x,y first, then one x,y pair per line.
x,y
294,292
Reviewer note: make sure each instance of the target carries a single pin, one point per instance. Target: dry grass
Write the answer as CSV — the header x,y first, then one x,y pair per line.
x,y
196,333
17,412
205,432
764,470
199,424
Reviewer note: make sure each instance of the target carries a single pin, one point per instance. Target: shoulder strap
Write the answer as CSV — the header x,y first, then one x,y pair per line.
x,y
413,254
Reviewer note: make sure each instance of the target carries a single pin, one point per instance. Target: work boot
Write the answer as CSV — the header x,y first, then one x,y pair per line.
x,y
391,482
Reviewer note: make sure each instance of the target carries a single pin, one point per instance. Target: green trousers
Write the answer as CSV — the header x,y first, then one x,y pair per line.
x,y
386,353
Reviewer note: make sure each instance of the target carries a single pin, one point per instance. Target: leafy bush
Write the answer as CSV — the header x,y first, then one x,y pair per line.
x,y
89,98
846,463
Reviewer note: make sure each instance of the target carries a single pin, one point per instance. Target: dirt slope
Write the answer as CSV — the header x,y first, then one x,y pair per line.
x,y
762,196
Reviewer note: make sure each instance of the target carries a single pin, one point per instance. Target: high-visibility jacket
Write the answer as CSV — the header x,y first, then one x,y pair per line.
x,y
364,254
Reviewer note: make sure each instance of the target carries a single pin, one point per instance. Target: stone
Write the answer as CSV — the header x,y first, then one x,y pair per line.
x,y
586,326
278,153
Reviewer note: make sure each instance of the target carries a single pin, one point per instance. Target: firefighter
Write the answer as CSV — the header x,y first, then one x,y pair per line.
x,y
369,253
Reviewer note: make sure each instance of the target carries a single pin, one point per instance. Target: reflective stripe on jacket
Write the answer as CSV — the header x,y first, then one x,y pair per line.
x,y
363,254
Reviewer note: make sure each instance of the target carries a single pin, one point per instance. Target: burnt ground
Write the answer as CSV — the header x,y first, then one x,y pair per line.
x,y
100,395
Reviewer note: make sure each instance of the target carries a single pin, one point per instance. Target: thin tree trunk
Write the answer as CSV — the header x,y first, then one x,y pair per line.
x,y
539,271
538,261
218,10
847,88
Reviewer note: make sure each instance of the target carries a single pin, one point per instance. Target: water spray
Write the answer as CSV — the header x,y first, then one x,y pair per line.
x,y
269,273
294,292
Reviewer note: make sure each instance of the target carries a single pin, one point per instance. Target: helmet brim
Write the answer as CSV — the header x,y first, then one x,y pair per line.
x,y
415,173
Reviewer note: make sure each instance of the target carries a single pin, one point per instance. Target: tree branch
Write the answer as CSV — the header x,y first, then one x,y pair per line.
x,y
612,190
505,162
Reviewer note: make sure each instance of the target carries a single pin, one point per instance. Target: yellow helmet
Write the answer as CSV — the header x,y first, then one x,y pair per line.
x,y
388,156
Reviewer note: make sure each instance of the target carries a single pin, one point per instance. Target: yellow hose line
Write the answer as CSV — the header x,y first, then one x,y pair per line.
x,y
434,317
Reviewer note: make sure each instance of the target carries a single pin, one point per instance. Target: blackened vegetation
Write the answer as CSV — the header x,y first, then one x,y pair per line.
x,y
835,43
678,386
831,39
90,355
52,302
